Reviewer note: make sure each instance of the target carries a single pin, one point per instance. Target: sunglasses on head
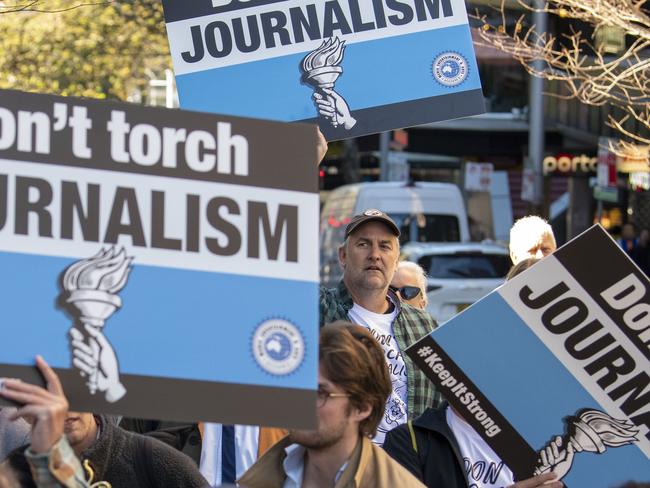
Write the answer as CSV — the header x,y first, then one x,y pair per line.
x,y
407,292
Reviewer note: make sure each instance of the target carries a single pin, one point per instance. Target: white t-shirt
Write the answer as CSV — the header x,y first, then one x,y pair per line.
x,y
381,327
483,467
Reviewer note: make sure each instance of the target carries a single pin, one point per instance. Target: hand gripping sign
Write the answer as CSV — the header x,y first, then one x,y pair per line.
x,y
552,369
164,262
354,67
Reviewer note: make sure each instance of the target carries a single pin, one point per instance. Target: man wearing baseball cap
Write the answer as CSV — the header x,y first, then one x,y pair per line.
x,y
369,257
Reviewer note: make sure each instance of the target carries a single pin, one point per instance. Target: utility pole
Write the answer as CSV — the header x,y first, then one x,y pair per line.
x,y
536,113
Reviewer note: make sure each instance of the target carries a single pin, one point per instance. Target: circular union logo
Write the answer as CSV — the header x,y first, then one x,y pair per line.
x,y
450,69
373,213
278,347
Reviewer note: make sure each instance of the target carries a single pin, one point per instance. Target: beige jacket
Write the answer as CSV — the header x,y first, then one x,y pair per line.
x,y
369,467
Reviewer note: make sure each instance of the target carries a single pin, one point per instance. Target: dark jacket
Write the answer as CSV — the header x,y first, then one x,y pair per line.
x,y
437,462
183,437
410,325
125,459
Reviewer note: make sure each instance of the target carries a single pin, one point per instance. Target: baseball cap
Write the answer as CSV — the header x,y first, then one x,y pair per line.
x,y
369,215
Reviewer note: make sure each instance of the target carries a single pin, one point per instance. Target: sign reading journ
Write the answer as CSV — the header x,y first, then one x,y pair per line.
x,y
134,242
552,369
354,67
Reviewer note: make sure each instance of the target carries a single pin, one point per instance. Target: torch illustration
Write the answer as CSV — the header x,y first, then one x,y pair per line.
x,y
591,431
321,68
92,285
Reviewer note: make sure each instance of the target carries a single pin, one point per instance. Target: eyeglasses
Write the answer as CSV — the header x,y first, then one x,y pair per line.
x,y
407,292
322,396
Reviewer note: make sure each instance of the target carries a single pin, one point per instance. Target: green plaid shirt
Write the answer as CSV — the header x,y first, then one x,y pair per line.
x,y
410,325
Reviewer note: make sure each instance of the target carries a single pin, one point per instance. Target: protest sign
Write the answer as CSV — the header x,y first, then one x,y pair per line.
x,y
552,368
164,262
354,67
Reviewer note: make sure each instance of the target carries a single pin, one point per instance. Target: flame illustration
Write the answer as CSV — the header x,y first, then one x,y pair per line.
x,y
594,430
329,53
107,271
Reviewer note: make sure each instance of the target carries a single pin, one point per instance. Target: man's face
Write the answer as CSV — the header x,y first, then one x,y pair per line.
x,y
337,419
369,258
408,277
80,429
535,247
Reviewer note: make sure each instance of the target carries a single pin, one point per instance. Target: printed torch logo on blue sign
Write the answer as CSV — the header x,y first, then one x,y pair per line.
x,y
352,66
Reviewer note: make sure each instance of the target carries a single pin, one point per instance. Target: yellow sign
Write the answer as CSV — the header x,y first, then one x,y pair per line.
x,y
635,159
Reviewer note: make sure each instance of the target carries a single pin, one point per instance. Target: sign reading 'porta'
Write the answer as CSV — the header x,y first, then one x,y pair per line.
x,y
130,236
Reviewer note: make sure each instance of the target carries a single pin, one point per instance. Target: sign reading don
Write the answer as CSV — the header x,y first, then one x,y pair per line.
x,y
353,66
553,368
164,262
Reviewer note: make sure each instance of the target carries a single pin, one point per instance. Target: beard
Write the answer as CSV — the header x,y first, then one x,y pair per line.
x,y
313,439
323,437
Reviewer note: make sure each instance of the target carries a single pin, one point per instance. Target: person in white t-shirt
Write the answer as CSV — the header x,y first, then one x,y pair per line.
x,y
441,449
369,257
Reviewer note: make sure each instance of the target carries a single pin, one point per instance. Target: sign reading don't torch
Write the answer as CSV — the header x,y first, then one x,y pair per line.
x,y
127,238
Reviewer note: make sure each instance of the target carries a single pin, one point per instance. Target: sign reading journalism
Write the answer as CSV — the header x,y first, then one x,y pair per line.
x,y
552,369
164,262
354,67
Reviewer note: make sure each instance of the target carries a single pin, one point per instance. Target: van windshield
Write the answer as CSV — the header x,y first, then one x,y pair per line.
x,y
465,265
427,227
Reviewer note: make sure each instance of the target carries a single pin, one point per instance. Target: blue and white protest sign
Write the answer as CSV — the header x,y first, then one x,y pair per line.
x,y
164,262
354,67
552,369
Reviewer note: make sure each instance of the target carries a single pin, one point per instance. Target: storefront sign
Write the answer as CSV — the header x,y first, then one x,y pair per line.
x,y
164,262
354,67
568,165
552,369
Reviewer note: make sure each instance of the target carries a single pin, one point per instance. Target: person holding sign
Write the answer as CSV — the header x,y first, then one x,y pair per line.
x,y
116,457
353,385
369,257
441,449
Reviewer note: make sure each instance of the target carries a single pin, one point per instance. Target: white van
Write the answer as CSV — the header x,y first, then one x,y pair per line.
x,y
424,212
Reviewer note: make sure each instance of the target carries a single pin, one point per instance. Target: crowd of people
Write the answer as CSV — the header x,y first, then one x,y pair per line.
x,y
380,420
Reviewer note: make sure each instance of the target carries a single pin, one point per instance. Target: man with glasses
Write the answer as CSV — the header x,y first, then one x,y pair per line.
x,y
353,385
369,257
410,284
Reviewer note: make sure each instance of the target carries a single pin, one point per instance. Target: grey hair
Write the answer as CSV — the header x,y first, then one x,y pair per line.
x,y
421,276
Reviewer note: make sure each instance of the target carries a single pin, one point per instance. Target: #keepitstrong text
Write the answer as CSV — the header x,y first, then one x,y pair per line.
x,y
142,144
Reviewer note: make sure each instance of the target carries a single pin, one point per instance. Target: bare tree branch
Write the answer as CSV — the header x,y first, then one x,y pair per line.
x,y
589,74
40,6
